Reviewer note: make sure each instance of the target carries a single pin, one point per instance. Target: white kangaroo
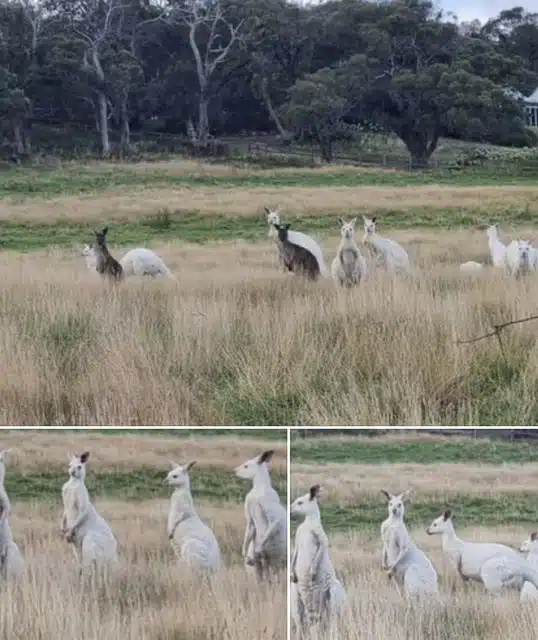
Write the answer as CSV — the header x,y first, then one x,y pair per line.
x,y
497,249
392,255
530,548
495,565
193,542
401,558
11,560
93,542
265,545
348,267
316,593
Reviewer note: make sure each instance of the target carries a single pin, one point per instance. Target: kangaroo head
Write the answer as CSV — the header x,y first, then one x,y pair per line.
x,y
100,237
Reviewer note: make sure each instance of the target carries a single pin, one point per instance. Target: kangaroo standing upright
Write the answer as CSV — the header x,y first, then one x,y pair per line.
x,y
105,264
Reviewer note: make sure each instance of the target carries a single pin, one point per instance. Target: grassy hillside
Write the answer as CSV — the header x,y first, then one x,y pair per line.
x,y
214,346
486,482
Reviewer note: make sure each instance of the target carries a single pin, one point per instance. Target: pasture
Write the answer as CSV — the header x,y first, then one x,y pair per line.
x,y
149,597
491,492
238,342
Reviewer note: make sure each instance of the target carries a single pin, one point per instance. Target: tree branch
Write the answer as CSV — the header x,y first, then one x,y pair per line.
x,y
497,328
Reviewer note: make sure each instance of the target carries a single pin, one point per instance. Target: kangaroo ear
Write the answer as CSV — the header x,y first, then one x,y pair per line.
x,y
314,491
84,457
267,210
190,465
386,494
105,231
266,456
447,514
340,221
374,218
534,535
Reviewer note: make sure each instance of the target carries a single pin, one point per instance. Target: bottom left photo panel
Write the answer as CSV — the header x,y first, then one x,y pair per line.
x,y
159,534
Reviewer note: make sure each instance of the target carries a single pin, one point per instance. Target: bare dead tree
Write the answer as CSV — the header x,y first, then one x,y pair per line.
x,y
94,30
196,15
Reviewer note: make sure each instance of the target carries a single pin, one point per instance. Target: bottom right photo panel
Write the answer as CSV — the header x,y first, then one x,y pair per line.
x,y
413,534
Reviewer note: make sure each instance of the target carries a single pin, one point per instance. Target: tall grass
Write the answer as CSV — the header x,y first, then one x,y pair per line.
x,y
238,342
149,598
491,503
375,610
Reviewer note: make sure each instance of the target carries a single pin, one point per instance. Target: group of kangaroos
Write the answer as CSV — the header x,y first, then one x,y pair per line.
x,y
319,597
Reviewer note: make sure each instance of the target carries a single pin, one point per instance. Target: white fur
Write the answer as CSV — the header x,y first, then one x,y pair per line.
x,y
136,262
496,248
316,594
530,548
11,560
471,266
348,267
495,565
521,257
193,542
89,255
273,217
143,262
93,542
298,238
393,255
404,561
265,545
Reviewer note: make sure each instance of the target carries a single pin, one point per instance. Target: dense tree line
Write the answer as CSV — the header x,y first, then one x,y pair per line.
x,y
205,68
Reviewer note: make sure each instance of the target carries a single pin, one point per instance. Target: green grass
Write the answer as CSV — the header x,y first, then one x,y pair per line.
x,y
25,183
189,226
469,510
142,484
482,450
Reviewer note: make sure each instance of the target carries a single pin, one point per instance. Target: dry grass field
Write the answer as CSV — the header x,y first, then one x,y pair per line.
x,y
235,341
492,502
149,598
127,204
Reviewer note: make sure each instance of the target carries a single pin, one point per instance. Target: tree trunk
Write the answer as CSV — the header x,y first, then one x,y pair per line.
x,y
326,149
421,147
18,137
103,123
202,133
420,159
125,140
271,110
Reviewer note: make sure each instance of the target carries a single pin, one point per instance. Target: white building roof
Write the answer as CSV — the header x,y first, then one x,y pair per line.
x,y
533,98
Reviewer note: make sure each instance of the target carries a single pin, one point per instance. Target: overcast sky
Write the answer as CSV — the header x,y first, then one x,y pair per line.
x,y
468,10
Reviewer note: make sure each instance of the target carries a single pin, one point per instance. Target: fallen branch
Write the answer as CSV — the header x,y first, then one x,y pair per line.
x,y
497,328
